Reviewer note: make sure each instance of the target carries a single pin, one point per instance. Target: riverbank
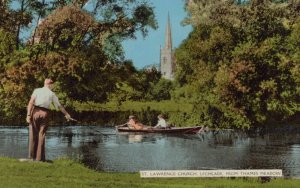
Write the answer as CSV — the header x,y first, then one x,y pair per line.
x,y
179,113
67,173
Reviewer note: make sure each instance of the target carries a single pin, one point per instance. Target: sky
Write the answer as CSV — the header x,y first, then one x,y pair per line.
x,y
146,51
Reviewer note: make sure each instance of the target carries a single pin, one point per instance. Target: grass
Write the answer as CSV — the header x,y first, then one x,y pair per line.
x,y
68,173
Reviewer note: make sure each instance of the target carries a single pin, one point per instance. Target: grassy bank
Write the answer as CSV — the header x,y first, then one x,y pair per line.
x,y
66,173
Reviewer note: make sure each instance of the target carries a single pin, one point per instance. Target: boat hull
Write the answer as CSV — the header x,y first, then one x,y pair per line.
x,y
182,130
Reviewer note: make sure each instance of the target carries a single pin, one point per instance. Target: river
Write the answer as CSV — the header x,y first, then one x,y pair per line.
x,y
102,148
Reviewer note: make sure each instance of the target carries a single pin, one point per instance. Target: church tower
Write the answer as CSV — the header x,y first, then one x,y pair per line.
x,y
167,63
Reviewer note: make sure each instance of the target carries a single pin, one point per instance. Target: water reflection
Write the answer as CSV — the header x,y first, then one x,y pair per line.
x,y
101,148
131,137
90,155
135,138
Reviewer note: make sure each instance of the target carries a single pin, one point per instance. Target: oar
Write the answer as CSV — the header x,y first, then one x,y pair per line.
x,y
122,125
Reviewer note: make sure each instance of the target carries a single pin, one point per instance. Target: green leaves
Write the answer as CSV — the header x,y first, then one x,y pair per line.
x,y
244,62
7,47
75,43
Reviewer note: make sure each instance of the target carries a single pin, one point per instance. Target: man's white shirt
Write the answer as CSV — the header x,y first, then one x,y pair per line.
x,y
44,97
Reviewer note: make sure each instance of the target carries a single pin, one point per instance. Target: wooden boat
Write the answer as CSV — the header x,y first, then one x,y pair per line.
x,y
173,130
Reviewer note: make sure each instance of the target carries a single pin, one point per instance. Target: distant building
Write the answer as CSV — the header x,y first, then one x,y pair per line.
x,y
35,38
167,60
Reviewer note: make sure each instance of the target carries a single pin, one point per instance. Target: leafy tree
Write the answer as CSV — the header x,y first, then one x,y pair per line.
x,y
161,90
78,43
7,47
240,62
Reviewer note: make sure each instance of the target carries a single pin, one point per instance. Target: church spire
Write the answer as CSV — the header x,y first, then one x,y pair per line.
x,y
168,42
167,62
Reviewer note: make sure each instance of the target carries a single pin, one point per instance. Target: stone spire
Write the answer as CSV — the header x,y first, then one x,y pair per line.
x,y
168,42
167,61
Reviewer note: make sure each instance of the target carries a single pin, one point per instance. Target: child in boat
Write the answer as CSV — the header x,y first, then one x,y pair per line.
x,y
162,123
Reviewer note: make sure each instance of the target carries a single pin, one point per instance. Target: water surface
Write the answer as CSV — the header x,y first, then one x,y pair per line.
x,y
102,148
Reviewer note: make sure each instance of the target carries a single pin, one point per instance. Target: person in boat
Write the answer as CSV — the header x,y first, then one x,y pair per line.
x,y
38,114
133,123
162,123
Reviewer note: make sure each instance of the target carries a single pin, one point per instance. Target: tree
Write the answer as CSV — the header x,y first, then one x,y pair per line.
x,y
241,62
161,90
78,43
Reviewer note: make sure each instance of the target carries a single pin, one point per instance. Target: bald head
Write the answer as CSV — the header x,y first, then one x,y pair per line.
x,y
48,82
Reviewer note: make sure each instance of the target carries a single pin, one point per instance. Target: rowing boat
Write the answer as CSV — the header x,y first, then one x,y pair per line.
x,y
173,130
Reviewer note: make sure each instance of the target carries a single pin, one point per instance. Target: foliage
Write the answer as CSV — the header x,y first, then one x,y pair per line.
x,y
239,67
76,43
165,106
161,90
6,49
241,62
147,111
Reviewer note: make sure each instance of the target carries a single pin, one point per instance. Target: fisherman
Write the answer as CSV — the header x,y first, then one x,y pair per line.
x,y
38,118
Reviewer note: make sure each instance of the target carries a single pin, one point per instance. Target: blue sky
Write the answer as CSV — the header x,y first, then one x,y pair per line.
x,y
145,51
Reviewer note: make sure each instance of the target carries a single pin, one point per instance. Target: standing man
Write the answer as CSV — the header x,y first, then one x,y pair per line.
x,y
38,118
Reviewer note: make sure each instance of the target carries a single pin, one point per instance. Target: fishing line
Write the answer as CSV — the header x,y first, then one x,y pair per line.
x,y
88,126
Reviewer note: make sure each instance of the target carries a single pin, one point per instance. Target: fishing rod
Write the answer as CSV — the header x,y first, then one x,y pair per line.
x,y
75,120
72,119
